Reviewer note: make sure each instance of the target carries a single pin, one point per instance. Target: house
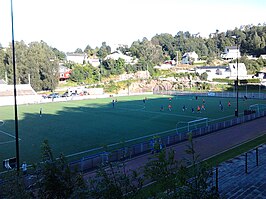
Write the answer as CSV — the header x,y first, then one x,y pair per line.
x,y
94,62
116,55
241,72
214,71
230,52
78,58
263,56
223,71
64,73
189,57
261,74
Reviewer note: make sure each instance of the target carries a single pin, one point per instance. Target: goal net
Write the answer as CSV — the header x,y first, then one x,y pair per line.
x,y
257,107
191,125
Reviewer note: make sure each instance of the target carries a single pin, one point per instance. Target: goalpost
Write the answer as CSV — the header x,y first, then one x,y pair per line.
x,y
192,125
258,107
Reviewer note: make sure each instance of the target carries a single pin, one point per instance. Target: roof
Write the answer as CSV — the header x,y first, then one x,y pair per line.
x,y
212,67
231,47
76,54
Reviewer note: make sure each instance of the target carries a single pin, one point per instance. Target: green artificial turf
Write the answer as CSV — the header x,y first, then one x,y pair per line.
x,y
75,126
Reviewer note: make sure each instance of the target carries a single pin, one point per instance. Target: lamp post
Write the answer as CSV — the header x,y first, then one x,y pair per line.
x,y
100,78
15,90
236,82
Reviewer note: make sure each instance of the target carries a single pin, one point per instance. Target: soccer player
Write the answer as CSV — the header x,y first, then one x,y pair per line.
x,y
229,103
192,110
220,103
222,107
203,101
41,112
198,109
169,107
144,101
170,99
196,97
24,168
161,109
113,103
203,107
184,107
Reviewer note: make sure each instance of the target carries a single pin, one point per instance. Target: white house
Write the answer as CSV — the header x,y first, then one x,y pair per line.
x,y
64,72
223,71
230,52
94,62
189,56
78,58
116,55
263,56
241,72
214,71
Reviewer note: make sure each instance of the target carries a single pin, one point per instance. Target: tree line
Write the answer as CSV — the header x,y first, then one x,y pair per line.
x,y
41,60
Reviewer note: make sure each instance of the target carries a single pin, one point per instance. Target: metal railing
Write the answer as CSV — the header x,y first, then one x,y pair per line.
x,y
91,162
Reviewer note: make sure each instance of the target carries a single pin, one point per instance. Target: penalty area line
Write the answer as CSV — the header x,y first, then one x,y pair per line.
x,y
2,143
8,134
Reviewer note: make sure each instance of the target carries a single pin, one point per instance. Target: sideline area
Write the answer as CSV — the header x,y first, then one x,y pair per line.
x,y
209,145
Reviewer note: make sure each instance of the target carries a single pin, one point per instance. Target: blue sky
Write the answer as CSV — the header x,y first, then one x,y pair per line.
x,y
71,24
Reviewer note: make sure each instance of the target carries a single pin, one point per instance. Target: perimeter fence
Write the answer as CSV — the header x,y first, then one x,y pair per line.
x,y
249,95
91,162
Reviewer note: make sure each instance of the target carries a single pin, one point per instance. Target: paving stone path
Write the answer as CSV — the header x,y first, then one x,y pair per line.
x,y
234,182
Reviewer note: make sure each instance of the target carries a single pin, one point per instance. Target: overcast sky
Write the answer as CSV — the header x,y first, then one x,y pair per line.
x,y
71,24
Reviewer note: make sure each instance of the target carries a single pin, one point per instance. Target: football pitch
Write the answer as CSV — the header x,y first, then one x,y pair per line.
x,y
72,127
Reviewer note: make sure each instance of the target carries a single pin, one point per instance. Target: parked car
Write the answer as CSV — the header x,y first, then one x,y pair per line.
x,y
53,95
44,96
66,94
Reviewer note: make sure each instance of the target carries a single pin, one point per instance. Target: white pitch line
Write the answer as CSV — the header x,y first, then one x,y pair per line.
x,y
1,143
9,134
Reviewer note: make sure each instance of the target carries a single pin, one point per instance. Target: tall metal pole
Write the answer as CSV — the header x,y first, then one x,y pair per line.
x,y
15,90
237,111
237,48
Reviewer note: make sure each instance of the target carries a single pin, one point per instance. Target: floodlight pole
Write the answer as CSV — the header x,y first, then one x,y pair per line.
x,y
237,48
15,90
237,110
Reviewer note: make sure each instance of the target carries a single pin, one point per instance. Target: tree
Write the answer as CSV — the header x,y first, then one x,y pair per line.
x,y
194,181
42,66
104,50
204,76
115,182
60,55
78,50
162,169
55,179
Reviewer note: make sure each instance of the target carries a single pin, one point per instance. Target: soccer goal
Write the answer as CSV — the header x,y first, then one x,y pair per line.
x,y
257,107
191,125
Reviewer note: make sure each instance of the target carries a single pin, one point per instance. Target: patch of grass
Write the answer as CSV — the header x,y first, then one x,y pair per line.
x,y
236,151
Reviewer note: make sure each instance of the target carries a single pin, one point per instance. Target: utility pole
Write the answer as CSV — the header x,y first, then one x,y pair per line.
x,y
236,83
15,90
